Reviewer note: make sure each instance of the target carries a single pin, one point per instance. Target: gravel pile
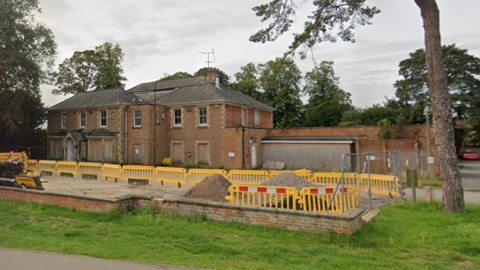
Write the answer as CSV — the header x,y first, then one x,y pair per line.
x,y
287,179
212,188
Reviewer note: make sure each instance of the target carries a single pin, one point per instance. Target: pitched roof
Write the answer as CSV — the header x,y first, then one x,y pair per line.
x,y
193,90
207,92
98,98
169,84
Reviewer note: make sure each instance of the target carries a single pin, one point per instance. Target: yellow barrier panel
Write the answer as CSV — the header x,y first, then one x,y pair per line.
x,y
305,174
277,197
171,175
194,176
332,179
31,165
47,167
112,171
90,169
325,200
381,184
67,167
9,155
245,177
138,172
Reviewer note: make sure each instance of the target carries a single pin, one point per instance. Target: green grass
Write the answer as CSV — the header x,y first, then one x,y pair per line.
x,y
404,236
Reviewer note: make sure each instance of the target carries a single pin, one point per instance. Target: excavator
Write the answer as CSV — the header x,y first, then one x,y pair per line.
x,y
13,174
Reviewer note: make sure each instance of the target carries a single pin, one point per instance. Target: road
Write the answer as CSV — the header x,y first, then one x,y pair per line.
x,y
13,259
470,173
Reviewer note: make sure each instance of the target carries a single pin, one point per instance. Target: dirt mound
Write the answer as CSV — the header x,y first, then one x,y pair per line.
x,y
212,188
287,179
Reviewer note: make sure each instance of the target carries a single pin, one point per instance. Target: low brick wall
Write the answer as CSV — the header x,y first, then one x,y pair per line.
x,y
77,202
292,220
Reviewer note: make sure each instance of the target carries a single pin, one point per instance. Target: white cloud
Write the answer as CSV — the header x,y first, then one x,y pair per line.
x,y
165,36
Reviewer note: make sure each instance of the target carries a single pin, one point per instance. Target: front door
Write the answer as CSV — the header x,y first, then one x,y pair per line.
x,y
137,153
70,150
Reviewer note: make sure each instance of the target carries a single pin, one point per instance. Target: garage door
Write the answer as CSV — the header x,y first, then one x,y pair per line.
x,y
309,156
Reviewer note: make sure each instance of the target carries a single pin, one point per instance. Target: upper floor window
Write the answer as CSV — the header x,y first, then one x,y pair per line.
x,y
177,117
82,119
103,118
137,118
202,116
64,120
112,114
257,119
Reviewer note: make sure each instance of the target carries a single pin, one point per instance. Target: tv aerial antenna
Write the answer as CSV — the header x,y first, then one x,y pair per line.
x,y
208,57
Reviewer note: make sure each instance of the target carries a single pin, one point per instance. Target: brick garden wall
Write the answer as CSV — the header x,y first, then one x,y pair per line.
x,y
77,202
274,218
291,220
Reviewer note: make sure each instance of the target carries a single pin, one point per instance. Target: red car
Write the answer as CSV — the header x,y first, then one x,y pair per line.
x,y
469,154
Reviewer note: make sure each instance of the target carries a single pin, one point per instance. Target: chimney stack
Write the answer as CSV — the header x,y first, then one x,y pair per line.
x,y
211,74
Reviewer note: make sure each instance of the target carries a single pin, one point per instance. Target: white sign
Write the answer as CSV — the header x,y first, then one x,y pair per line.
x,y
372,157
136,151
231,154
431,160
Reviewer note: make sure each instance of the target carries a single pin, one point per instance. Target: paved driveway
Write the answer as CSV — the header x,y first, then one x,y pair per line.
x,y
13,259
470,173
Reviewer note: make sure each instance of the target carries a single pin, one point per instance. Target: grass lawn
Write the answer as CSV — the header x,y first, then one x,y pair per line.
x,y
404,236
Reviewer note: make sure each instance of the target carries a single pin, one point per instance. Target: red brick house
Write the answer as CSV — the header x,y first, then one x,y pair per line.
x,y
196,121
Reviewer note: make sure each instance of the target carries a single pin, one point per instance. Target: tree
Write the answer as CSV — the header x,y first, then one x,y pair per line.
x,y
108,60
327,102
453,200
175,76
246,81
90,70
76,74
463,71
279,82
369,116
332,18
27,55
224,78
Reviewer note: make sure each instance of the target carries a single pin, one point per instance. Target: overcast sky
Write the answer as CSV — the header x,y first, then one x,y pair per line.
x,y
164,36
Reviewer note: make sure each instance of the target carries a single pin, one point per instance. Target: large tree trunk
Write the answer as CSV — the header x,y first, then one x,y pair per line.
x,y
453,200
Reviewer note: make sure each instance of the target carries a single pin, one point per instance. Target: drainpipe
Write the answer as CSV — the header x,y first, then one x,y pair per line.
x,y
243,148
126,134
154,122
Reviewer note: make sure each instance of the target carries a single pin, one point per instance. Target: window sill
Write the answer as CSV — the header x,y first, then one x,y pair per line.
x,y
177,126
202,126
137,127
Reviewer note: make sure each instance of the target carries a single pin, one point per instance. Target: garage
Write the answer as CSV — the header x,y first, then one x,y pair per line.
x,y
317,153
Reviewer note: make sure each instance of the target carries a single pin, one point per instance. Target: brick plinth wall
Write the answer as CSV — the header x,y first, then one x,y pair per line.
x,y
275,218
291,220
77,202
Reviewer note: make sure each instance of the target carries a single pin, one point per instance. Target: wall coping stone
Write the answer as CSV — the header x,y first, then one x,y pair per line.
x,y
111,200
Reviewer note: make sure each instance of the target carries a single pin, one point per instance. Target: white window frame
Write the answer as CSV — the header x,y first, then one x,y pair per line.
x,y
256,119
84,119
112,114
135,117
200,116
179,118
64,120
102,117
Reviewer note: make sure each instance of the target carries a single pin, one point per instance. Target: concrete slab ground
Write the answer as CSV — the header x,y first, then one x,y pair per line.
x,y
13,259
108,188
